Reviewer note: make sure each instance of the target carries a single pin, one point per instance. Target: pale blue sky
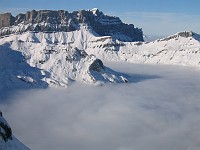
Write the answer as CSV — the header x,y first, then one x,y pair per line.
x,y
155,17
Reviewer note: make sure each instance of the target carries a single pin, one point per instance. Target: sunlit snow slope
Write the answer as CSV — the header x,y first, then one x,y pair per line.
x,y
43,59
57,59
181,49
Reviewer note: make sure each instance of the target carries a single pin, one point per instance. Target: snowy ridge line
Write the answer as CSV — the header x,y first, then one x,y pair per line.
x,y
59,58
185,34
182,48
102,47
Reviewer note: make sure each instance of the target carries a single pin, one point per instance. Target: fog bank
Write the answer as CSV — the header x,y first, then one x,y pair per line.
x,y
158,110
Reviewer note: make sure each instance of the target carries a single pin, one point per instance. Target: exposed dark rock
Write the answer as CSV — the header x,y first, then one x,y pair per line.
x,y
75,54
5,130
50,21
184,34
97,65
7,133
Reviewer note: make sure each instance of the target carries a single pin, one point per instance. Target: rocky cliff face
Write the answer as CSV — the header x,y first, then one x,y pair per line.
x,y
50,21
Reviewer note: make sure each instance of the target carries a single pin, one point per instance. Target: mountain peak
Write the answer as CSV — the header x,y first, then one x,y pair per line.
x,y
183,34
63,21
95,11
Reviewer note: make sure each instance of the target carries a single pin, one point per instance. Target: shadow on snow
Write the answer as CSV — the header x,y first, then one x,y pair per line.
x,y
16,74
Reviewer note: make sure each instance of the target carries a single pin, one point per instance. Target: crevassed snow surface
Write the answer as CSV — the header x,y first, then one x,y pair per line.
x,y
158,110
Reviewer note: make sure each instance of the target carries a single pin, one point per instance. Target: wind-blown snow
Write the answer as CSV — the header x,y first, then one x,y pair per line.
x,y
157,110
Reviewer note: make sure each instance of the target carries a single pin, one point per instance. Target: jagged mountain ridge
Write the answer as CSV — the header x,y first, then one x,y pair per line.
x,y
56,21
7,140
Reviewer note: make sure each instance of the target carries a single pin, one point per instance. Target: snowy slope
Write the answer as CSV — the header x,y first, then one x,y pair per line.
x,y
7,140
181,49
59,58
42,59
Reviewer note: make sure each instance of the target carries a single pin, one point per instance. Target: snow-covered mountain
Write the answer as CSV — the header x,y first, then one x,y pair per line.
x,y
56,59
182,48
7,140
54,48
37,51
42,59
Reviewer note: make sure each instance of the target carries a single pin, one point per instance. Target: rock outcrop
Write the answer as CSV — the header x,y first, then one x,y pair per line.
x,y
6,20
53,21
7,140
5,130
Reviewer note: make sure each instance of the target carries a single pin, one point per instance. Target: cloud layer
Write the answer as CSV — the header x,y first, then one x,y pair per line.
x,y
158,113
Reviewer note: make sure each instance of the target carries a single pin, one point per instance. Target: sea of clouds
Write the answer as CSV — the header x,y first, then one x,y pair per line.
x,y
158,110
